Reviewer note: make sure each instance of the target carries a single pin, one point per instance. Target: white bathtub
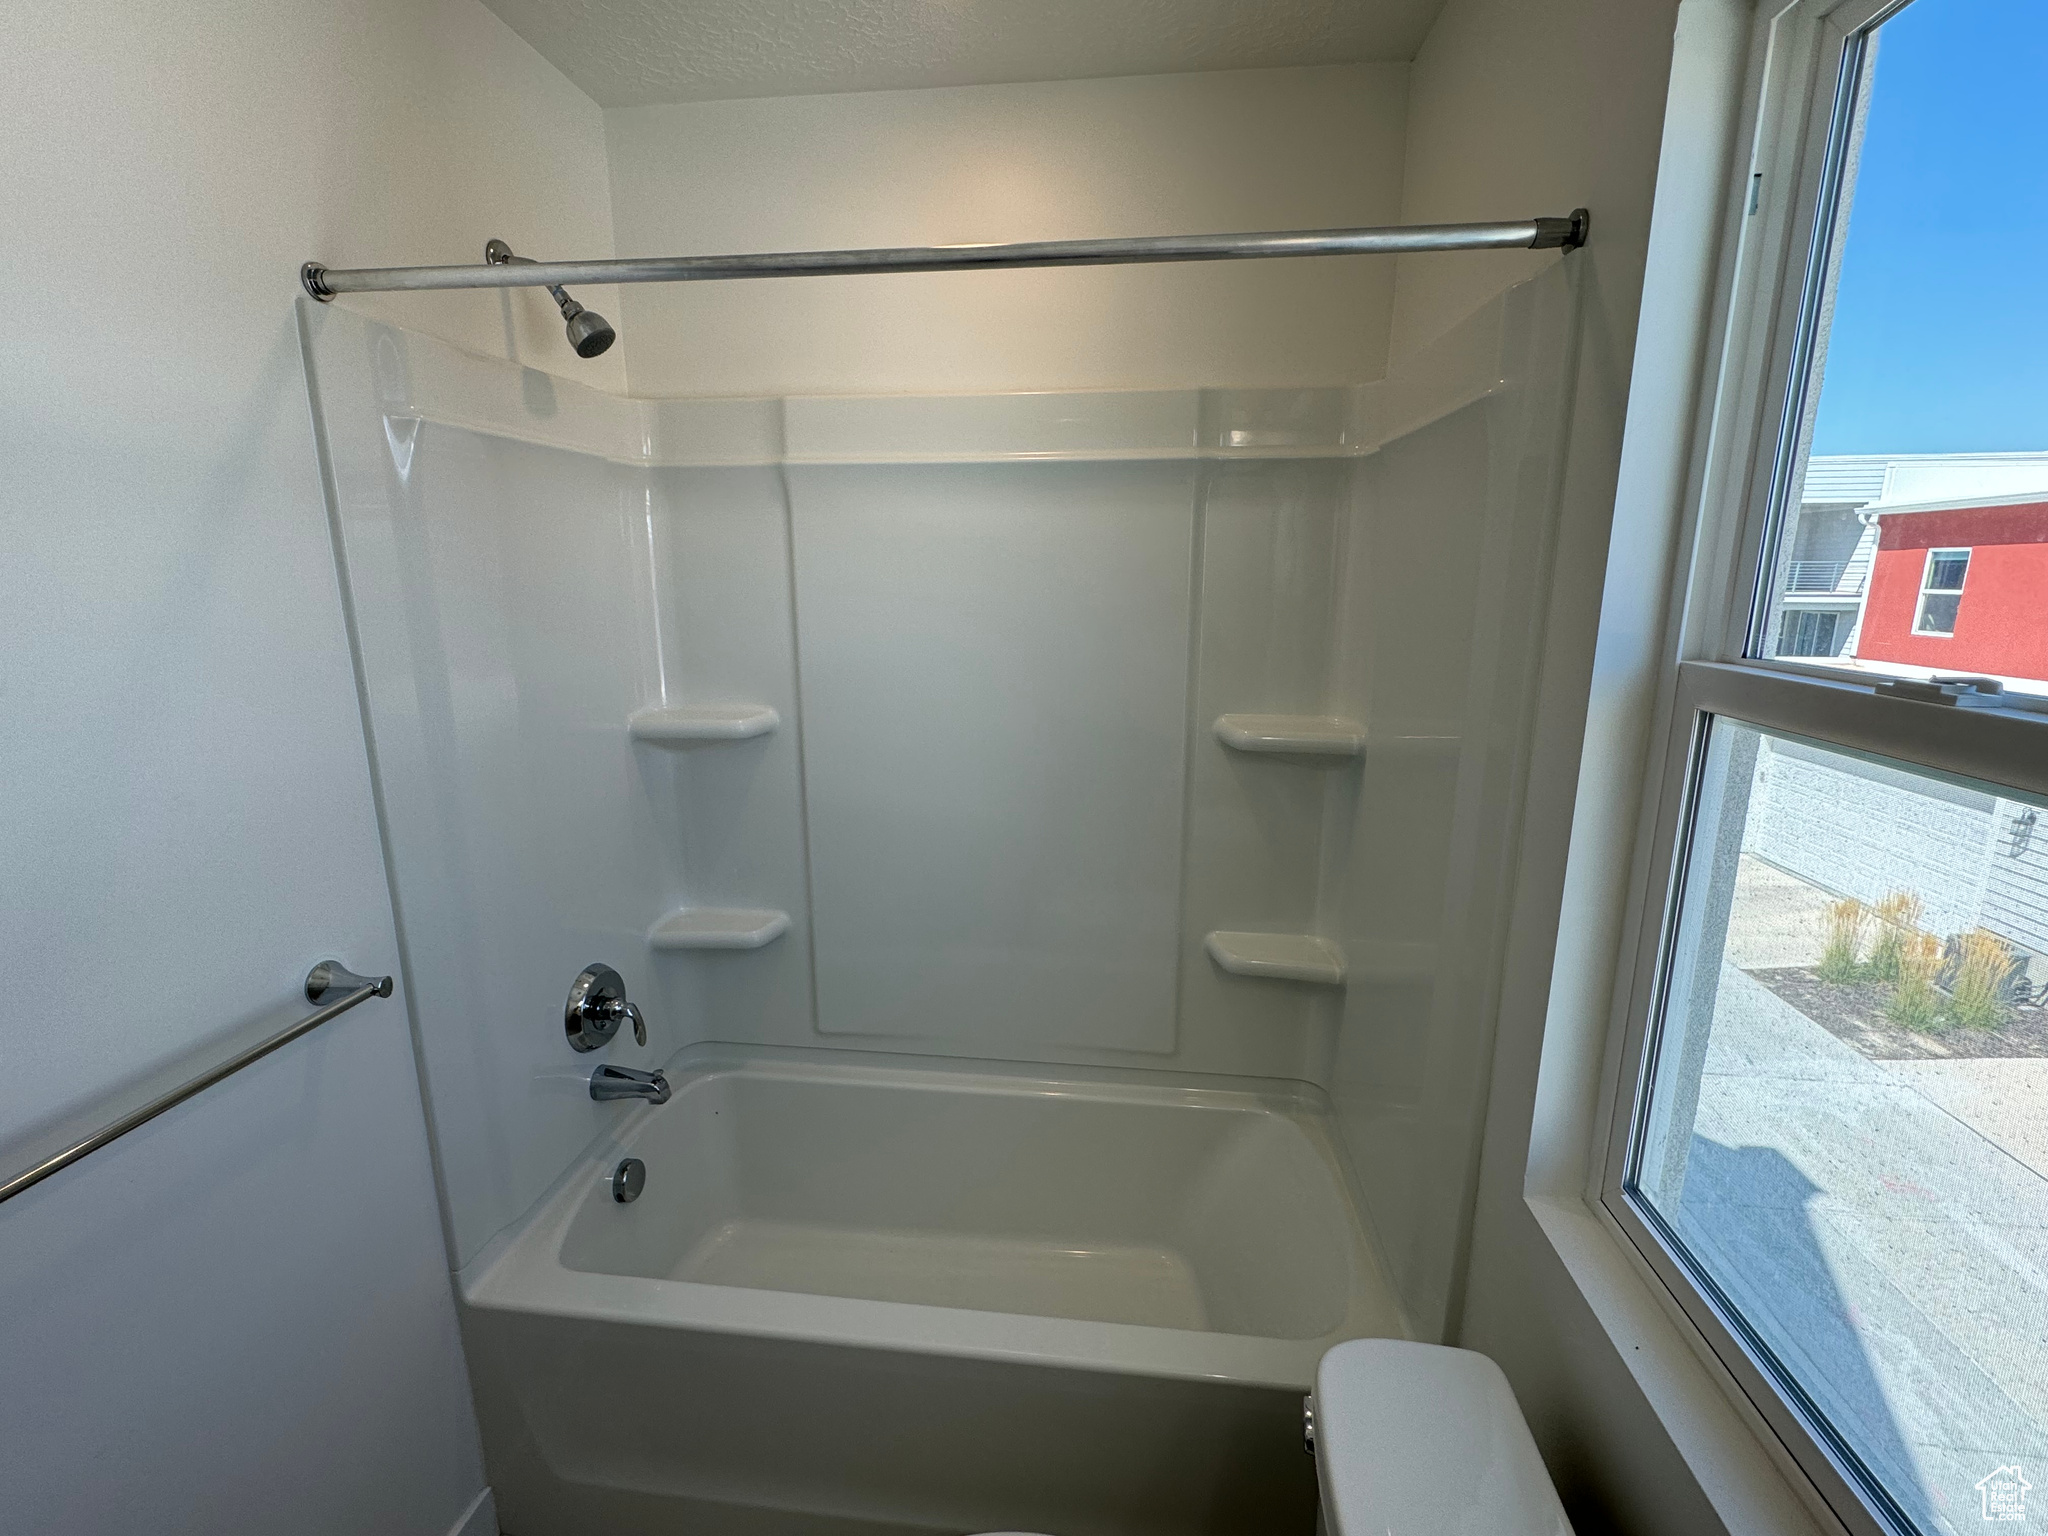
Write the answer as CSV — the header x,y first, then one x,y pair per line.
x,y
867,1294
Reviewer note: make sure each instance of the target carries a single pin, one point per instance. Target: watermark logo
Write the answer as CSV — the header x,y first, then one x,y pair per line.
x,y
2004,1493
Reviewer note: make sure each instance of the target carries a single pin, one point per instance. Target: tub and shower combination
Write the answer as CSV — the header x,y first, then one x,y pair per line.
x,y
1056,843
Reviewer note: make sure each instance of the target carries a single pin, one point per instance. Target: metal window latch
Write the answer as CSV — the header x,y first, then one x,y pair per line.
x,y
597,1007
1968,692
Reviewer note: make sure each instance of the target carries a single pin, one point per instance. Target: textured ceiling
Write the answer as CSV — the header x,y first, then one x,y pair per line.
x,y
638,52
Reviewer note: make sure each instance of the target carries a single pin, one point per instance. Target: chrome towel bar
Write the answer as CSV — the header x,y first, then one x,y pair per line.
x,y
325,980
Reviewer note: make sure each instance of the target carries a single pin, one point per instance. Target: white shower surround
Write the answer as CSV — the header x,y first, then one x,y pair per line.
x,y
531,565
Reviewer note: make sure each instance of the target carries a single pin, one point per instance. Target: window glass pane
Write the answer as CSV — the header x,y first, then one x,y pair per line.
x,y
1923,421
1946,569
1804,633
1938,613
1846,1131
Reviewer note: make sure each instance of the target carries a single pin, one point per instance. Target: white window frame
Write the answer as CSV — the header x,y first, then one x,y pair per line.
x,y
1801,87
1927,591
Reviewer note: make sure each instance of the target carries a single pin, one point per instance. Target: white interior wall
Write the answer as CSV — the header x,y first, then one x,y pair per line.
x,y
164,507
1301,148
238,1318
1483,64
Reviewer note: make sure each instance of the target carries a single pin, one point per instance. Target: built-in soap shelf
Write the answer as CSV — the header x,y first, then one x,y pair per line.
x,y
1278,956
1294,735
687,724
718,928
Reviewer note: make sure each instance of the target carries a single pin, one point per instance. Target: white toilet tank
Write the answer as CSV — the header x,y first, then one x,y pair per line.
x,y
1420,1440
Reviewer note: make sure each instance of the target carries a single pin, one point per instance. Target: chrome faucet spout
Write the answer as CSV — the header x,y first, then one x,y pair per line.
x,y
610,1082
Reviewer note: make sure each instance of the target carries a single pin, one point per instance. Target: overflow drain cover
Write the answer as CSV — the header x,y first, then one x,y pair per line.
x,y
628,1179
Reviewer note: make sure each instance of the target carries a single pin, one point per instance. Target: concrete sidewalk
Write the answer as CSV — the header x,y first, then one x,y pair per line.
x,y
1891,1253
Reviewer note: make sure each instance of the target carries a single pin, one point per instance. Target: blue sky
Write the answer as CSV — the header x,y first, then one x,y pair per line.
x,y
1940,342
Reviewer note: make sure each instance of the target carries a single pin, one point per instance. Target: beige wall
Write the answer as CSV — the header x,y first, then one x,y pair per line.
x,y
1252,149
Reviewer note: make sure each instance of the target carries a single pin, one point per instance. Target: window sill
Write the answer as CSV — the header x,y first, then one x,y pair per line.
x,y
1738,1463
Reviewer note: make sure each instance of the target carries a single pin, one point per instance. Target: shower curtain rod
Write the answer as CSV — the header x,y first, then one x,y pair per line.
x,y
324,283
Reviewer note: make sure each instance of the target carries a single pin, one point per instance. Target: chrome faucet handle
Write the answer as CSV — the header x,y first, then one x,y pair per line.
x,y
617,1011
597,1007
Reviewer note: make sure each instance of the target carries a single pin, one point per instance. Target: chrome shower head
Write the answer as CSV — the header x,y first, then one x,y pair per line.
x,y
589,332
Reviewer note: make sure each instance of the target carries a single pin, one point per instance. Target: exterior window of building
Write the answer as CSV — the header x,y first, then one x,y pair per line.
x,y
1804,632
1941,591
1827,1140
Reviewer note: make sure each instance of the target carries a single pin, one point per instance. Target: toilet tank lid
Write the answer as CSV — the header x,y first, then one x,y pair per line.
x,y
1421,1440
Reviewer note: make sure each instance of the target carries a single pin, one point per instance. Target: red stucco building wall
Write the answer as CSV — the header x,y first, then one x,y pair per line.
x,y
2002,623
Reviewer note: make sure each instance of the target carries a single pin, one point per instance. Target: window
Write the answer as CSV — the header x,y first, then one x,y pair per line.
x,y
1827,1143
1849,949
1909,426
1941,591
1805,632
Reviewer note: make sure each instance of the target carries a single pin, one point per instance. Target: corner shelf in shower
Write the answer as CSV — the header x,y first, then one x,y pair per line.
x,y
1278,956
1295,735
689,724
718,928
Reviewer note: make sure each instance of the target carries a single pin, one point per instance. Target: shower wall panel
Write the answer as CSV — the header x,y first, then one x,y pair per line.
x,y
732,812
499,606
1448,561
995,663
1271,540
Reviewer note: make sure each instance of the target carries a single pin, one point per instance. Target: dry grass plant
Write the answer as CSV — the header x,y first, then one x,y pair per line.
x,y
1898,922
1914,1004
1983,962
1848,930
